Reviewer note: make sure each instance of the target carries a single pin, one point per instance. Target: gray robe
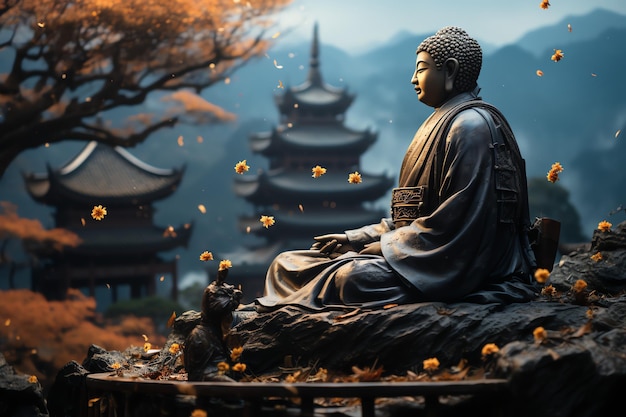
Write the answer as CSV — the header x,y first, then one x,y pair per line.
x,y
468,244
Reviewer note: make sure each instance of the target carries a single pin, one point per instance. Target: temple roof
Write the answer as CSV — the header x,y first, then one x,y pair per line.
x,y
330,137
104,175
314,92
300,187
129,240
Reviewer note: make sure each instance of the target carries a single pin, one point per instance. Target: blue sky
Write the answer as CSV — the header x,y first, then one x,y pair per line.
x,y
356,25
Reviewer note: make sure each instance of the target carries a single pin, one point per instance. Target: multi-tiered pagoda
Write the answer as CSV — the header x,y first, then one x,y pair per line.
x,y
311,132
123,248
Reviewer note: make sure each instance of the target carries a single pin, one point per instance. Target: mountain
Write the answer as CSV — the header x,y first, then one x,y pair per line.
x,y
583,28
571,114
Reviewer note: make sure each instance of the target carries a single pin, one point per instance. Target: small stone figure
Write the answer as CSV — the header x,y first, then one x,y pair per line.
x,y
205,345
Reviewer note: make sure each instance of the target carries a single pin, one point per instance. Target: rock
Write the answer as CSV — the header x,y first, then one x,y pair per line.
x,y
18,395
67,390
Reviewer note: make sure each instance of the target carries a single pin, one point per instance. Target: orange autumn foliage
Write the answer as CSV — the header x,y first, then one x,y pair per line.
x,y
104,55
38,337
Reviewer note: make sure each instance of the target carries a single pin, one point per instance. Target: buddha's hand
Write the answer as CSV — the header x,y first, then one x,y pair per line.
x,y
332,244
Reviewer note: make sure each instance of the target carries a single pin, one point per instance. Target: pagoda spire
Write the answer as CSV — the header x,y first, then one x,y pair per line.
x,y
315,76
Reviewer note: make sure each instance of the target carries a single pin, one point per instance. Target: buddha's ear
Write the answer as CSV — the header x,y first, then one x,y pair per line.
x,y
451,67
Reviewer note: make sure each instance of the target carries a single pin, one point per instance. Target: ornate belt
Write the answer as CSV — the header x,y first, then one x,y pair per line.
x,y
406,203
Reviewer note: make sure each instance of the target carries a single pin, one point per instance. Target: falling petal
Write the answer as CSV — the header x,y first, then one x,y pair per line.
x,y
82,221
569,27
202,208
277,66
301,208
200,139
181,141
162,279
617,133
275,35
539,73
248,229
280,84
41,24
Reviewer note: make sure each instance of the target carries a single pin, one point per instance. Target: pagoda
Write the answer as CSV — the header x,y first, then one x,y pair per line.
x,y
311,132
123,248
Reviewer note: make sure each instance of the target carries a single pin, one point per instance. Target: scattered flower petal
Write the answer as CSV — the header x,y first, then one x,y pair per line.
x,y
98,212
277,66
202,208
617,133
174,348
318,171
235,354
206,256
539,73
557,56
544,4
239,367
604,226
553,174
548,291
225,264
542,275
596,257
33,379
580,285
241,167
181,141
489,349
280,84
355,178
540,334
267,221
431,364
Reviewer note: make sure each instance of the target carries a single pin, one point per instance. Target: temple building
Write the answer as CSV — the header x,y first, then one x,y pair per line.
x,y
123,248
311,132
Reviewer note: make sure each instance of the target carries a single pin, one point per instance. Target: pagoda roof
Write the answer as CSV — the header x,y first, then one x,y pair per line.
x,y
314,92
279,185
330,137
105,175
129,240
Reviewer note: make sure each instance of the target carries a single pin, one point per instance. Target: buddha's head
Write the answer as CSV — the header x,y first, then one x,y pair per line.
x,y
448,63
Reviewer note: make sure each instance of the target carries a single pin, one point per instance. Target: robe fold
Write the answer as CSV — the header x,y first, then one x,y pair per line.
x,y
468,243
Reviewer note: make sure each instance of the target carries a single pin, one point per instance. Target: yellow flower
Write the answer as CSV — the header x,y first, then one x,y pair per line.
x,y
174,348
32,379
206,256
540,334
235,354
198,413
98,212
553,174
557,56
431,364
241,167
222,367
225,264
116,365
239,367
542,275
490,348
267,221
549,291
544,4
580,285
147,346
597,257
539,73
589,313
604,226
355,178
318,171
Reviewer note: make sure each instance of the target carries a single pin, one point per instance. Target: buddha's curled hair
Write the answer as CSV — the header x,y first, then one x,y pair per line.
x,y
454,42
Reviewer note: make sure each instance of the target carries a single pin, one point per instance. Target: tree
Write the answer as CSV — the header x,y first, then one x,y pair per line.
x,y
71,64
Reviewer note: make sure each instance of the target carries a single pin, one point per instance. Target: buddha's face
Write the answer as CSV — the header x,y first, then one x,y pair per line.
x,y
429,81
